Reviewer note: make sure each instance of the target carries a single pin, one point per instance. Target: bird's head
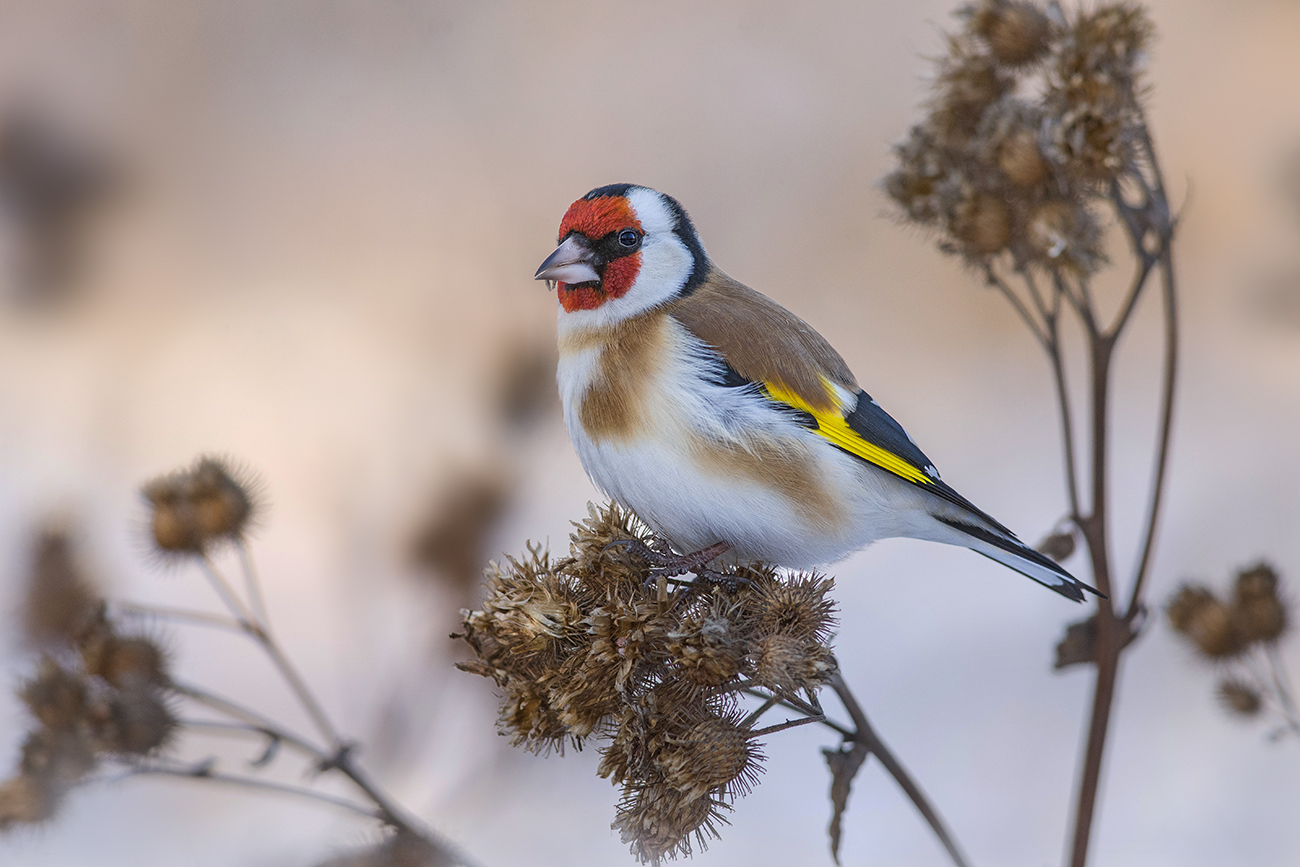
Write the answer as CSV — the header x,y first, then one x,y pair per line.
x,y
623,250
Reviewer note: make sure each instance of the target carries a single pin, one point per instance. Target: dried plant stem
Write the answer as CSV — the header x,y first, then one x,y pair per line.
x,y
203,771
1286,703
179,615
260,632
1114,629
864,735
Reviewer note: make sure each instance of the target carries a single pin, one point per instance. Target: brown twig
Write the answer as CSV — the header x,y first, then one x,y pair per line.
x,y
866,737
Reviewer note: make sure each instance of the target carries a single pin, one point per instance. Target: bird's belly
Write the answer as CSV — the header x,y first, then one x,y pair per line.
x,y
793,506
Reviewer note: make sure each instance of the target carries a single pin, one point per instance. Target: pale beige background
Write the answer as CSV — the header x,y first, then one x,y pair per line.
x,y
339,208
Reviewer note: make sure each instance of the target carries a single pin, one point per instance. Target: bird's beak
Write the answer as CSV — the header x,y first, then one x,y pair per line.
x,y
570,263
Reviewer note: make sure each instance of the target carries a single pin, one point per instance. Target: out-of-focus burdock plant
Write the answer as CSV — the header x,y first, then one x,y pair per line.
x,y
1240,636
604,645
106,704
1034,147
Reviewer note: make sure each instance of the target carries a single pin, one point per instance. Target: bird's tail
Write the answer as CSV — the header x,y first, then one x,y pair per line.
x,y
1010,551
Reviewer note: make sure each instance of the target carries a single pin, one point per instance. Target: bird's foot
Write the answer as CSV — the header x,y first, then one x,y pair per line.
x,y
664,563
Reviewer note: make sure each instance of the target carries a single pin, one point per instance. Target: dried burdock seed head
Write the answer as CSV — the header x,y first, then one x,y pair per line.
x,y
58,759
981,224
25,800
1261,614
706,651
714,756
1016,33
193,508
659,822
797,608
1063,235
1020,159
60,598
222,502
1112,38
56,697
969,82
1240,697
125,659
786,665
138,723
1206,621
1092,141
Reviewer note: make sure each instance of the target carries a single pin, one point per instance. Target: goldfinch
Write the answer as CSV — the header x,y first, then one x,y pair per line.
x,y
724,421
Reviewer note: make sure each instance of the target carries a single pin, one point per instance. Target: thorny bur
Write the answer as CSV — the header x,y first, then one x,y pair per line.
x,y
1034,115
593,645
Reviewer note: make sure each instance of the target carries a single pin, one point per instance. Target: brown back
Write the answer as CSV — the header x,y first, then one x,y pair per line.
x,y
761,340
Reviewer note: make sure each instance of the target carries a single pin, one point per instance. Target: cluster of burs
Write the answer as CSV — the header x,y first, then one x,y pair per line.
x,y
595,645
1034,115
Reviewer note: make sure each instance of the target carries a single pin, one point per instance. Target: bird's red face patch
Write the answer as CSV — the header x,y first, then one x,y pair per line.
x,y
595,219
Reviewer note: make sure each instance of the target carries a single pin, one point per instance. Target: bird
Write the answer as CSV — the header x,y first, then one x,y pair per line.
x,y
725,422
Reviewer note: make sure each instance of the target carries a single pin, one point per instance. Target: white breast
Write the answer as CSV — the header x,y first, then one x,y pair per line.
x,y
708,463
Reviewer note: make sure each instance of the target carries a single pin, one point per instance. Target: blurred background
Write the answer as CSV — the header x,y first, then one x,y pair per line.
x,y
302,235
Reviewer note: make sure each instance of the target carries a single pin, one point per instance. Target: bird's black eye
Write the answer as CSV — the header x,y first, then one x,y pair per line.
x,y
629,238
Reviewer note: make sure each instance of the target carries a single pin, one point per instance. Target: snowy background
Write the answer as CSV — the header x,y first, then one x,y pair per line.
x,y
335,211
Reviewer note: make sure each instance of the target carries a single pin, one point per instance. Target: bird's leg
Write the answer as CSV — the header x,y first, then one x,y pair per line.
x,y
666,564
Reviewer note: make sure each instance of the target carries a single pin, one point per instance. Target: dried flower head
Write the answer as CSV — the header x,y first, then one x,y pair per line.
x,y
60,598
138,721
1240,697
1261,614
56,697
1204,619
1016,33
596,645
25,800
199,506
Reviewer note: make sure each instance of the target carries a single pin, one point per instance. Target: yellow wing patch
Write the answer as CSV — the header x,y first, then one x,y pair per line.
x,y
834,427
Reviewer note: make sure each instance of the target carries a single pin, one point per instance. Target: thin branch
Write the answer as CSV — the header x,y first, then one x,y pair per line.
x,y
251,717
1168,376
179,615
842,730
1135,291
865,734
788,724
1067,420
203,771
254,587
263,637
1034,327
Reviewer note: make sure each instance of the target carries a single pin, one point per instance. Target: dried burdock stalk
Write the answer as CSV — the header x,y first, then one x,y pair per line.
x,y
105,701
1035,140
599,645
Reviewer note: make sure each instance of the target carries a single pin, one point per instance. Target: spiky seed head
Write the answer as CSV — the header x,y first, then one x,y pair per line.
x,y
787,665
1016,33
57,758
982,224
25,800
61,599
1020,159
1205,620
714,756
222,503
56,697
123,659
1240,697
797,608
1260,610
659,822
138,722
